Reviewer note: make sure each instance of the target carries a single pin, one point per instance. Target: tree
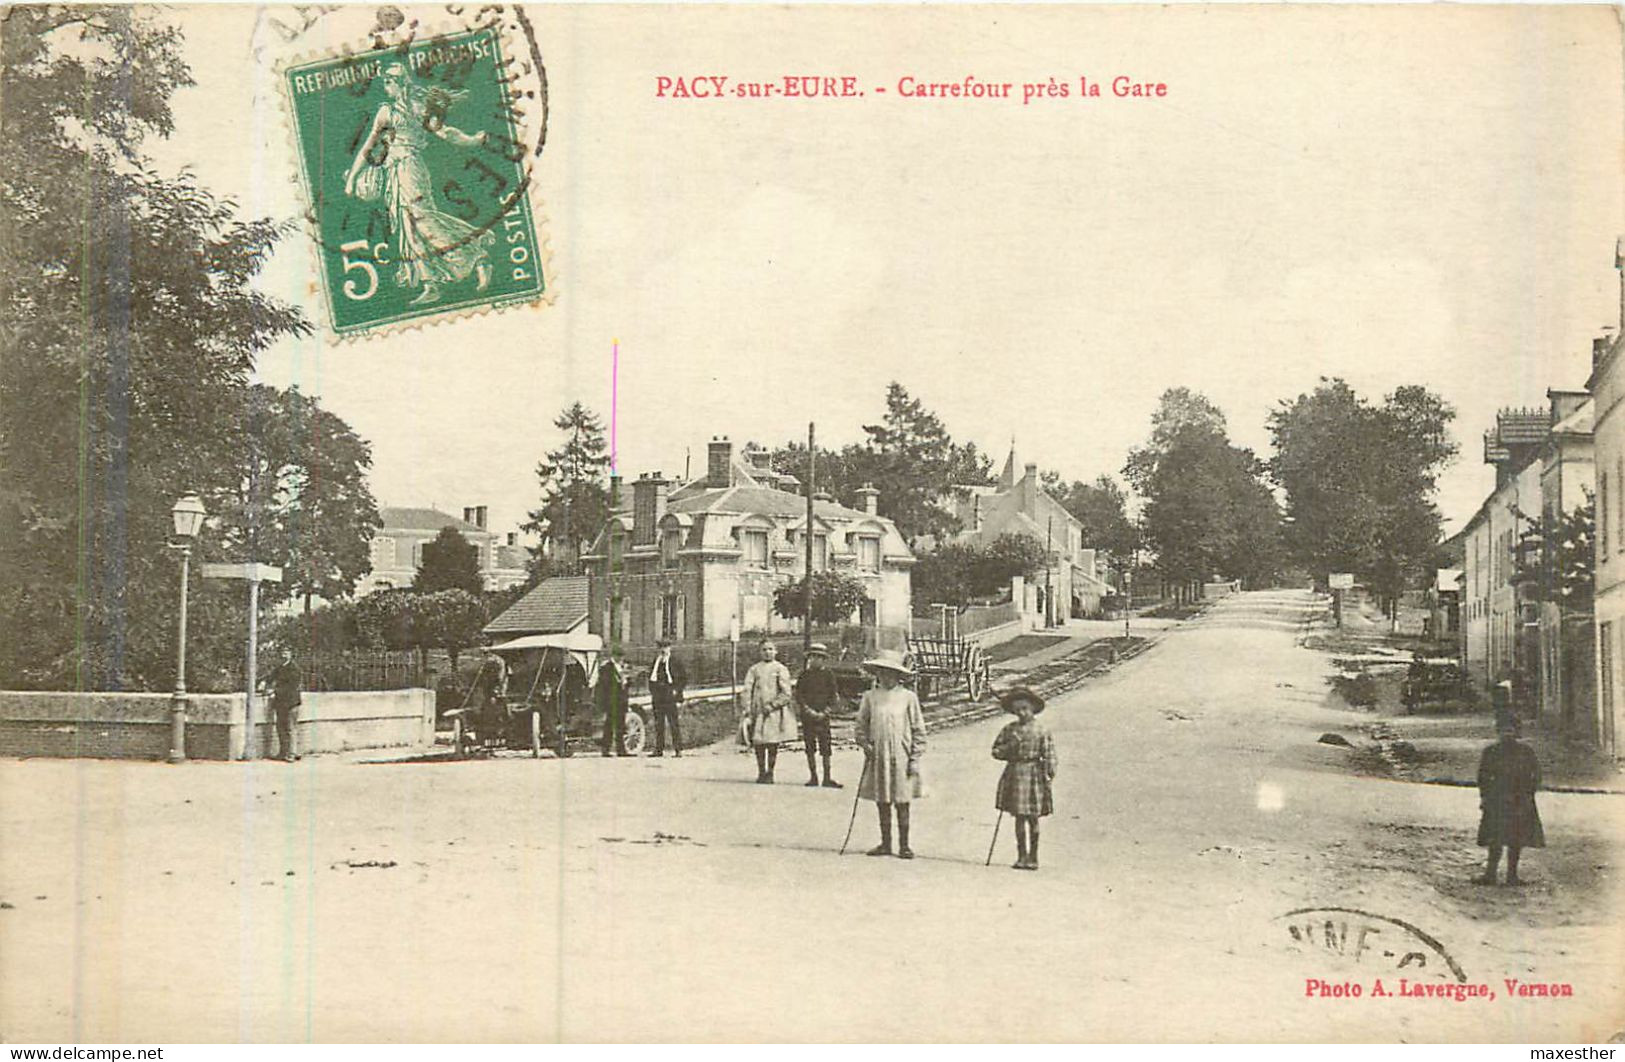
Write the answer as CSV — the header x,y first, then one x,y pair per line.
x,y
835,596
943,576
1207,509
575,501
916,465
450,562
301,499
125,298
960,572
1556,561
1360,481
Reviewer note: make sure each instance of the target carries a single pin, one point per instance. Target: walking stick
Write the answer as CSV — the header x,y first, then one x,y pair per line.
x,y
992,844
853,821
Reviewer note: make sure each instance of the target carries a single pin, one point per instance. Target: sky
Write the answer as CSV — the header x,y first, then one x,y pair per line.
x,y
1403,195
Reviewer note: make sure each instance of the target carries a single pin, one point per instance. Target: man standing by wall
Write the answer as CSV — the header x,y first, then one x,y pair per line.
x,y
817,696
768,692
285,701
666,681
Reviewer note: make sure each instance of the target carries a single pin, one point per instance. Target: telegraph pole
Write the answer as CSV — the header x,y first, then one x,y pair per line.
x,y
806,582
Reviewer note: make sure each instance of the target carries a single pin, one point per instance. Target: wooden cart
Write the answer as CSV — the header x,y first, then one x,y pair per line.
x,y
949,661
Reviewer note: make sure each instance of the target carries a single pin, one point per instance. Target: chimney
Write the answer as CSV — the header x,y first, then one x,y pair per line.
x,y
871,498
479,516
648,506
614,491
1029,491
719,460
468,514
823,496
513,538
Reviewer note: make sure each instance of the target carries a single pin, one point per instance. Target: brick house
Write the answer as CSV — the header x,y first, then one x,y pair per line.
x,y
690,561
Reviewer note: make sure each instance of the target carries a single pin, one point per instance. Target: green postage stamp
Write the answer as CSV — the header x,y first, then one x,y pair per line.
x,y
416,177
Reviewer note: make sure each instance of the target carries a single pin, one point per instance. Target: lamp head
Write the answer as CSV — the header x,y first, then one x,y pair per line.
x,y
188,514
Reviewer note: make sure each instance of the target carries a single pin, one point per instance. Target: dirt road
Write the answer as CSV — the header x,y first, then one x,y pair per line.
x,y
674,899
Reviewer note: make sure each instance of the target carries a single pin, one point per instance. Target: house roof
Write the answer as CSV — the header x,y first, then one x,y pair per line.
x,y
762,500
555,605
411,519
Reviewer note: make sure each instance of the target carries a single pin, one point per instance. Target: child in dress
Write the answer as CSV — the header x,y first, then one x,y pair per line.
x,y
1029,755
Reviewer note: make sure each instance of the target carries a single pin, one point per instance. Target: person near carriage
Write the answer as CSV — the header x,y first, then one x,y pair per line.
x,y
610,699
1508,776
1028,752
817,696
768,694
667,679
890,729
285,701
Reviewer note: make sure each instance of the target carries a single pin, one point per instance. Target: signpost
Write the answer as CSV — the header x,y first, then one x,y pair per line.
x,y
1339,582
253,574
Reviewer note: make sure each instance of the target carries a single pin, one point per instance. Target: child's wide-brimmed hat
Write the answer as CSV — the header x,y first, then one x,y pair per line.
x,y
889,660
1008,699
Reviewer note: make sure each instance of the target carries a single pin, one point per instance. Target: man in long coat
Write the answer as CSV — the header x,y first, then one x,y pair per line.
x,y
1508,776
609,697
768,692
285,701
667,680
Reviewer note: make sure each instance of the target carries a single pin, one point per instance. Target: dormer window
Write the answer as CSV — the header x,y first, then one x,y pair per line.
x,y
753,543
868,553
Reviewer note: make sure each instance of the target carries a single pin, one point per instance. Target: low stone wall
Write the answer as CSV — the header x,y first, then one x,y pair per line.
x,y
137,725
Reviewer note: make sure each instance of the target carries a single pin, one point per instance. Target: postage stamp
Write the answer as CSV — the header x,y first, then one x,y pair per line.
x,y
415,173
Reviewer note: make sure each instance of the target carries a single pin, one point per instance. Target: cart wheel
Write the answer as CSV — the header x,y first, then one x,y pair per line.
x,y
633,734
536,735
459,737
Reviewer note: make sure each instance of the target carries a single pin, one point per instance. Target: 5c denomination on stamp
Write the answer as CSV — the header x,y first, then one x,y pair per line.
x,y
416,177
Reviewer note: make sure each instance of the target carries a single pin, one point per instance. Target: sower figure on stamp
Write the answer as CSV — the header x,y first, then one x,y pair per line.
x,y
285,701
432,246
768,693
609,697
1024,788
1508,776
817,695
667,679
891,731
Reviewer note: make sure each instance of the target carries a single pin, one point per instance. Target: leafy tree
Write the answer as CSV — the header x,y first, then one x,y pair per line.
x,y
128,327
1556,559
450,562
1207,511
1003,559
1180,409
301,498
960,572
917,465
448,619
835,596
943,576
1360,481
575,501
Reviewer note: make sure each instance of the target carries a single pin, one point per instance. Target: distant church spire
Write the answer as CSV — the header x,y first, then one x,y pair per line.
x,y
1007,480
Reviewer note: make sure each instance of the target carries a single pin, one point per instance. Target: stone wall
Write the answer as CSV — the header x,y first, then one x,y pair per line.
x,y
137,725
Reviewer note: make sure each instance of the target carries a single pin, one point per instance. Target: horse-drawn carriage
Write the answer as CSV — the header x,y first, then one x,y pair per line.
x,y
536,692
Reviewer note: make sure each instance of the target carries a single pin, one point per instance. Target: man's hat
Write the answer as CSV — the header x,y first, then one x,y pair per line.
x,y
818,648
889,660
1009,697
663,643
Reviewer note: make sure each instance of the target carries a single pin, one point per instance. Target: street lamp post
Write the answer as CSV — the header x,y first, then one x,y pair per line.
x,y
188,514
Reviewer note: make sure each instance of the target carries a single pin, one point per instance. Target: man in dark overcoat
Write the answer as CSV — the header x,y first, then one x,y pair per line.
x,y
1508,776
285,701
609,697
667,678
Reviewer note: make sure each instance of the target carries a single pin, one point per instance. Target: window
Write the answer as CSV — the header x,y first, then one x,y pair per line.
x,y
869,553
754,544
1603,512
383,552
670,540
820,552
672,616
